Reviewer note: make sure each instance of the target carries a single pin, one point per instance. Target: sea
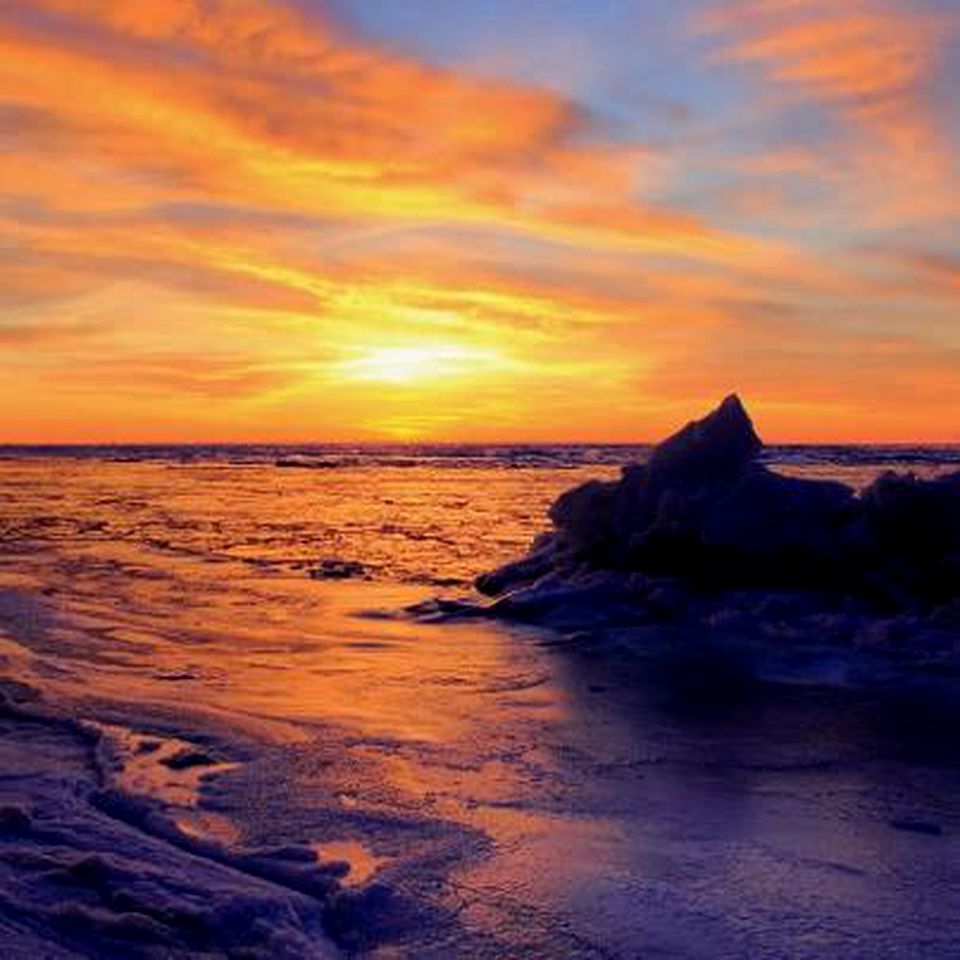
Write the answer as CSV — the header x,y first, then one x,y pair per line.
x,y
502,791
432,514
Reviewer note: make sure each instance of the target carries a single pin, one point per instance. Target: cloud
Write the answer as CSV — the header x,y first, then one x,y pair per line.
x,y
253,103
872,64
920,274
869,56
230,200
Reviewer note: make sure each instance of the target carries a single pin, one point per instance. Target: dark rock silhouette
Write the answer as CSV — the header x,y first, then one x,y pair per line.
x,y
708,450
704,533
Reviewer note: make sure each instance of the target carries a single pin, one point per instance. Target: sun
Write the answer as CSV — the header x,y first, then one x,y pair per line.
x,y
417,364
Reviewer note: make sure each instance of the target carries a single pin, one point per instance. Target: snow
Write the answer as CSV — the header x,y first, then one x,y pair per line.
x,y
705,538
87,871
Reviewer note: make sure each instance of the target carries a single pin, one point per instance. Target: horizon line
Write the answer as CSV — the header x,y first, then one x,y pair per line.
x,y
62,444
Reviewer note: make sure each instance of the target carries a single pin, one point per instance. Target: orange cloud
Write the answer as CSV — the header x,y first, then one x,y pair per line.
x,y
872,62
244,203
250,103
862,53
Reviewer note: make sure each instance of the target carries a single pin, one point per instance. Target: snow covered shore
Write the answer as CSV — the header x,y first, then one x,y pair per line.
x,y
89,871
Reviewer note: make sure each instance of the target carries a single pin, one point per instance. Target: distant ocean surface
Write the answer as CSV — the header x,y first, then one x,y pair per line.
x,y
430,514
837,459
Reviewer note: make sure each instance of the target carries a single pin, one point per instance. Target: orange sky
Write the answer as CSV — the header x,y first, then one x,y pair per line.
x,y
255,220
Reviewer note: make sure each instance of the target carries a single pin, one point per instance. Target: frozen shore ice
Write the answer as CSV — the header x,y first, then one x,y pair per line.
x,y
86,871
703,536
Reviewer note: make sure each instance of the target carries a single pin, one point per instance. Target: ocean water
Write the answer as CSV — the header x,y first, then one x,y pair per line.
x,y
518,799
427,514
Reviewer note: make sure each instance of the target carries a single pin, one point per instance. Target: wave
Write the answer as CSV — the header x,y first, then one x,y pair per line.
x,y
475,456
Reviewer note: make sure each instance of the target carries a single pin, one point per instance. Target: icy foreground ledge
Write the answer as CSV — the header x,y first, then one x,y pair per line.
x,y
703,535
89,872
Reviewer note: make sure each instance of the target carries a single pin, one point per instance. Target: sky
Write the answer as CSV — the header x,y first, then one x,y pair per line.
x,y
485,220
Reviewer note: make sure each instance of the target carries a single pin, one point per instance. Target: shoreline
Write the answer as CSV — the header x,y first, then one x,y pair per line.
x,y
579,782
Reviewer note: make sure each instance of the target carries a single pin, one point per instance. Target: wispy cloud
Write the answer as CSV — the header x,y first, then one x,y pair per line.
x,y
234,201
872,63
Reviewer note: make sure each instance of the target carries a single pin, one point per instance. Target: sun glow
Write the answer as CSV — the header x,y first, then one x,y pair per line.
x,y
419,364
241,220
